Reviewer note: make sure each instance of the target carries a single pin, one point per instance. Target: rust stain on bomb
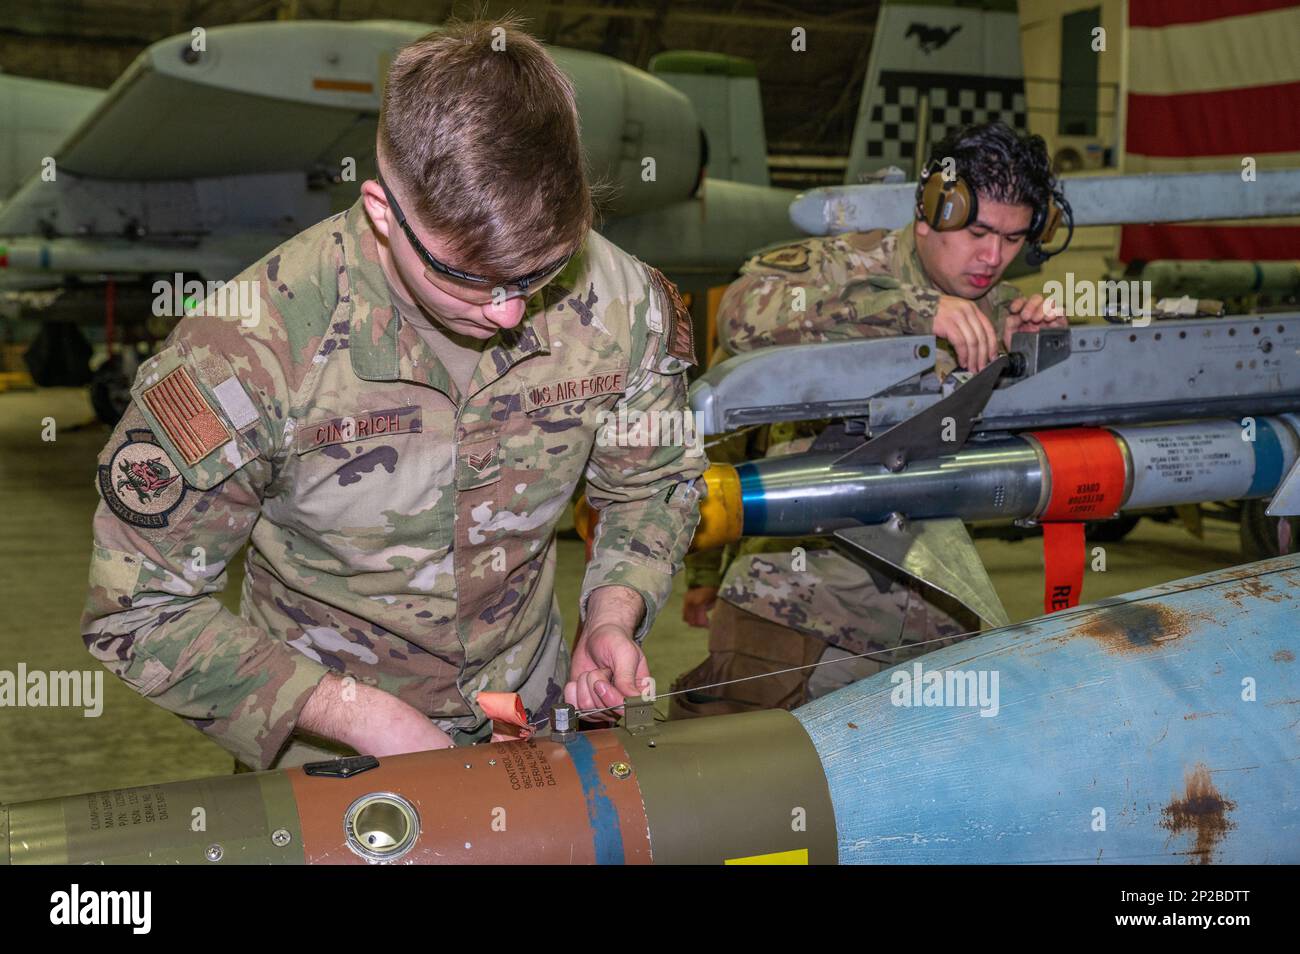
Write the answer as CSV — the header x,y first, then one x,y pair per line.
x,y
1136,627
1201,810
1253,589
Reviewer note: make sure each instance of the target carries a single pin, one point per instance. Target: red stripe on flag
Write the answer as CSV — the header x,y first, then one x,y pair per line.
x,y
183,398
1245,242
172,418
184,409
1230,122
1161,13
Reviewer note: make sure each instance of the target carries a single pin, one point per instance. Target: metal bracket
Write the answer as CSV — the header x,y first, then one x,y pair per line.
x,y
921,436
639,716
1031,353
806,382
345,767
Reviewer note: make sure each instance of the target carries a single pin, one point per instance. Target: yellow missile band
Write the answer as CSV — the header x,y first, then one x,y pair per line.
x,y
584,518
722,515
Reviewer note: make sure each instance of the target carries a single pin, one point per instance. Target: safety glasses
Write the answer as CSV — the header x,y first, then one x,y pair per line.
x,y
473,289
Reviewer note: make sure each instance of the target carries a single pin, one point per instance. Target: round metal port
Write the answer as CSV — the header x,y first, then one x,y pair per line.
x,y
381,826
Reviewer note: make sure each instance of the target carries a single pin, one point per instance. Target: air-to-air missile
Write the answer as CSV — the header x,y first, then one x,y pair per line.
x,y
1153,727
1195,411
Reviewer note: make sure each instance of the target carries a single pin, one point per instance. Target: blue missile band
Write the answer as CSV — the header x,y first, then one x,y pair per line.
x,y
753,500
1268,460
602,816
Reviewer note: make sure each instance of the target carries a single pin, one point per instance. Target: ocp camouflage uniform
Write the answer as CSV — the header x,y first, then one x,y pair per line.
x,y
793,602
401,533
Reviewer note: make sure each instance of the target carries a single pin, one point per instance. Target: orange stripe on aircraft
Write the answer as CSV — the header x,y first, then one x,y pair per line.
x,y
343,86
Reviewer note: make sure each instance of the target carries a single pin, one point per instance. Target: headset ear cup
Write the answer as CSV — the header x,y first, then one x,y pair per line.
x,y
938,194
1051,221
931,201
941,207
958,197
1036,223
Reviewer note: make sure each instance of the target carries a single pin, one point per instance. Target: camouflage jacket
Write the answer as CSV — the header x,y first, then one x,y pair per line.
x,y
852,285
399,532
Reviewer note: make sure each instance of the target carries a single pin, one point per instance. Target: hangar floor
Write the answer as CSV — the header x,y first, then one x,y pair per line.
x,y
48,497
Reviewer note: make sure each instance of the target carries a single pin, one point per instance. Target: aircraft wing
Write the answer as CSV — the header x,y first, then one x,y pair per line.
x,y
247,102
259,130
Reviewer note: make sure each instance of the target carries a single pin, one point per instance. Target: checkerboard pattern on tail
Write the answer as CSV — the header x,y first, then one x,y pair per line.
x,y
956,99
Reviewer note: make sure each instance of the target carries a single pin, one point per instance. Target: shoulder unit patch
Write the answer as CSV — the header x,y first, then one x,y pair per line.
x,y
139,484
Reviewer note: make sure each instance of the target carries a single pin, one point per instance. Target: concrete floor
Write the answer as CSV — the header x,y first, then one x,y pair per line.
x,y
48,497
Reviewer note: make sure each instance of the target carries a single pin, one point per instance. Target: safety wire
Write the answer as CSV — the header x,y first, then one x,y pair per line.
x,y
1057,616
729,435
781,672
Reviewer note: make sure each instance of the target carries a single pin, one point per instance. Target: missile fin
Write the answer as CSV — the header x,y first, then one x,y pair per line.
x,y
1190,515
1286,502
923,436
937,552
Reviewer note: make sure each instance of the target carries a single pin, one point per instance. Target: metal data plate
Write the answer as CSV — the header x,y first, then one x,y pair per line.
x,y
805,382
1117,374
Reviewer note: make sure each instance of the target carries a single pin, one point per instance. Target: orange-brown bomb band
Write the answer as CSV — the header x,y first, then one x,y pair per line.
x,y
746,788
538,802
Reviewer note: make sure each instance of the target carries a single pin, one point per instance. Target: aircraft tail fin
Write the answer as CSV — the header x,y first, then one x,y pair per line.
x,y
935,67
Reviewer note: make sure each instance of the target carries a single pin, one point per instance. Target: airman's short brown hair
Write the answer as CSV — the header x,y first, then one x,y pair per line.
x,y
480,128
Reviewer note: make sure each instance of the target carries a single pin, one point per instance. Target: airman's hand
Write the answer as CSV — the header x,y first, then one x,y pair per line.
x,y
960,323
1033,315
607,667
698,602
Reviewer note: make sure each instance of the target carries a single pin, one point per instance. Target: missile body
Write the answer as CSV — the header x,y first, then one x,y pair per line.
x,y
1153,727
1007,478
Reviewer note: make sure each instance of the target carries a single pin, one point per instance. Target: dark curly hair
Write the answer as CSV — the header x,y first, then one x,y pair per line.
x,y
999,164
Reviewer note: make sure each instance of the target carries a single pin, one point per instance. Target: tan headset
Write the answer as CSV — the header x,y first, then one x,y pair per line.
x,y
948,205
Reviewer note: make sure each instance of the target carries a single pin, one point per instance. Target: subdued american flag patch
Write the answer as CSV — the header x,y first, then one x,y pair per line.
x,y
185,415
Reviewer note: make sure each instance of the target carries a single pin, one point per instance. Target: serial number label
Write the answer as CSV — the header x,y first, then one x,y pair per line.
x,y
125,808
527,768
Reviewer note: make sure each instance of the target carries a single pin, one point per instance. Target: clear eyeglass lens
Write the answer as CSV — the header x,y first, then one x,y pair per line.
x,y
476,294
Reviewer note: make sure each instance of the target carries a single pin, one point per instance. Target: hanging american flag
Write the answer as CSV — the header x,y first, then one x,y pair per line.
x,y
1210,84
